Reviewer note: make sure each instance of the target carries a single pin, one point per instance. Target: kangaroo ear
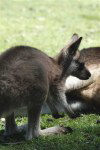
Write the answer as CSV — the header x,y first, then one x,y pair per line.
x,y
70,49
73,45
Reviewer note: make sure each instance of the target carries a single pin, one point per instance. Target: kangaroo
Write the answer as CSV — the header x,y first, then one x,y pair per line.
x,y
28,76
84,96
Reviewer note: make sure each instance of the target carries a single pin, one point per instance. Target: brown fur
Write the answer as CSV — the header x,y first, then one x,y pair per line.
x,y
27,78
84,96
88,94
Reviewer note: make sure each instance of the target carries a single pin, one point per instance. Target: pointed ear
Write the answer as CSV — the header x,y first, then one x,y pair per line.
x,y
73,45
69,50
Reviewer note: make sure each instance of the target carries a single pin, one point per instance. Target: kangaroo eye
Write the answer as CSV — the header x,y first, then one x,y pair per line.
x,y
81,66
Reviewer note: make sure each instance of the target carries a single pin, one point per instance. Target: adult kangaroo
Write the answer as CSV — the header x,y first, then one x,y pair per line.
x,y
84,96
28,77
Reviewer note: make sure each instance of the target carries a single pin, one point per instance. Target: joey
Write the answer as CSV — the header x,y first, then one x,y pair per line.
x,y
29,77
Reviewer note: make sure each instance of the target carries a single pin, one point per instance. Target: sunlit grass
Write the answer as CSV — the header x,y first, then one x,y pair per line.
x,y
48,24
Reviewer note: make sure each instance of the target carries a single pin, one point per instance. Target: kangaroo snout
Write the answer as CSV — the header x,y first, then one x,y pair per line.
x,y
85,75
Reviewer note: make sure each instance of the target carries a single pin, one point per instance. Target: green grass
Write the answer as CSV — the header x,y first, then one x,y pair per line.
x,y
85,135
48,25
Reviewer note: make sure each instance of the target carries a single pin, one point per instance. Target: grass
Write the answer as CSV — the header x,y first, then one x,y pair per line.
x,y
85,135
48,25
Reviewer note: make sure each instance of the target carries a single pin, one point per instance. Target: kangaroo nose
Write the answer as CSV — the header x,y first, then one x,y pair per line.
x,y
88,74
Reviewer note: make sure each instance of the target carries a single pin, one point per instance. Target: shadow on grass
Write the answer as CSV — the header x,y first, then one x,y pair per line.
x,y
14,139
83,138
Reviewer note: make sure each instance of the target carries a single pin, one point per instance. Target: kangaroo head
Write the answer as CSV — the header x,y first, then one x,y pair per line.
x,y
69,59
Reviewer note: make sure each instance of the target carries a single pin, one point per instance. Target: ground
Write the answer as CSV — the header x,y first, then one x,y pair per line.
x,y
48,25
